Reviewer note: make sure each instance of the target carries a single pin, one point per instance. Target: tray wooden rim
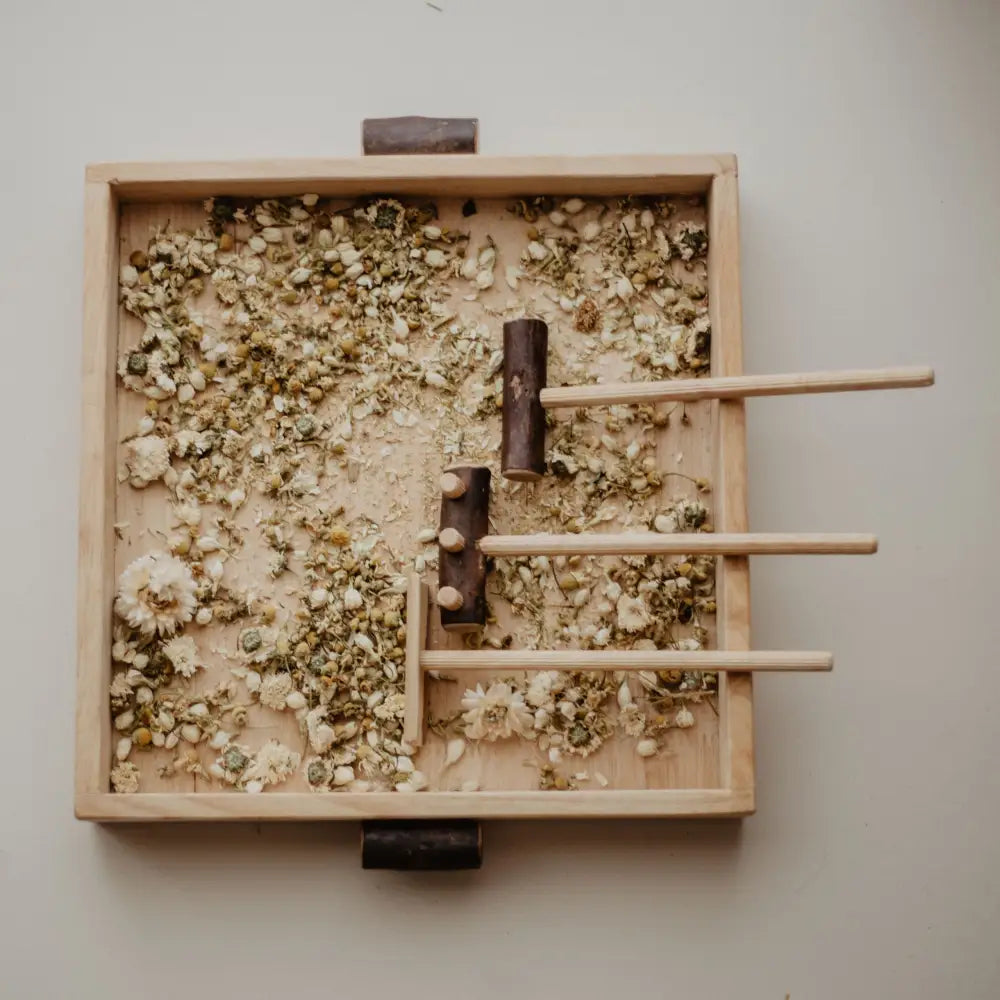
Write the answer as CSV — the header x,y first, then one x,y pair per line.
x,y
108,185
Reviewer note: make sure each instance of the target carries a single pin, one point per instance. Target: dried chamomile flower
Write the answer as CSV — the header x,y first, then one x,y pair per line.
x,y
156,594
272,764
183,655
146,459
274,690
684,718
496,713
321,735
633,615
125,778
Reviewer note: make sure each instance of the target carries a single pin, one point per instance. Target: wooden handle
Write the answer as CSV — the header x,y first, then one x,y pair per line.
x,y
625,659
736,387
652,543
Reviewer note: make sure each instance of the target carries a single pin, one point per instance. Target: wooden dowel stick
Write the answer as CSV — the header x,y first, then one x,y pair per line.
x,y
653,543
451,486
451,540
416,637
450,598
623,659
735,386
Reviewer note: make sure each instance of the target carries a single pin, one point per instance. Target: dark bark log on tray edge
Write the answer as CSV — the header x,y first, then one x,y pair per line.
x,y
421,845
415,134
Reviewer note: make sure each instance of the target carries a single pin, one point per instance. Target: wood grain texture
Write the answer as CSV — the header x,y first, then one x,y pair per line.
x,y
653,543
736,387
625,660
95,574
414,134
730,484
277,806
416,638
435,176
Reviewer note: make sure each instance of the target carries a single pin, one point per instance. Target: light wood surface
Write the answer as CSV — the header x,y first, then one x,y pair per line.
x,y
96,556
732,580
736,387
416,638
685,780
272,806
653,543
447,174
625,659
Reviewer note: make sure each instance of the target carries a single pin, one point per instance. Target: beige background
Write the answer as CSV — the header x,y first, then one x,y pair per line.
x,y
868,140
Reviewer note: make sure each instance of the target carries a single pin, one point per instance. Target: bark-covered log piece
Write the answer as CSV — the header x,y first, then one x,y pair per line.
x,y
525,356
414,134
465,570
422,845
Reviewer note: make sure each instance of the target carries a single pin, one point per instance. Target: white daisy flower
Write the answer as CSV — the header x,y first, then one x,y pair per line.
x,y
156,594
496,713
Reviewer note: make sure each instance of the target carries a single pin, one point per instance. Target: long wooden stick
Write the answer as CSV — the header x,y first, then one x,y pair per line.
x,y
416,637
624,659
653,543
736,386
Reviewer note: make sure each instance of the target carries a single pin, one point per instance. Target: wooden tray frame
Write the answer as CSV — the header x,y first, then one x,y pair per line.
x,y
108,186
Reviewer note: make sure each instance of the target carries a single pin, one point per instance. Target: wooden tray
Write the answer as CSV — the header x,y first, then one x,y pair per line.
x,y
711,774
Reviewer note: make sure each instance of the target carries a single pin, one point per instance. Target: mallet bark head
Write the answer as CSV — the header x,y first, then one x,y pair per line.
x,y
525,355
462,566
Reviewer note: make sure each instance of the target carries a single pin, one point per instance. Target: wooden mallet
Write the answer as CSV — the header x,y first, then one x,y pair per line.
x,y
526,396
465,509
464,545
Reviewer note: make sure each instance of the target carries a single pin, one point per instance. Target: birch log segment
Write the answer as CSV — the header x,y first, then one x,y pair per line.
x,y
464,570
415,134
422,845
525,356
